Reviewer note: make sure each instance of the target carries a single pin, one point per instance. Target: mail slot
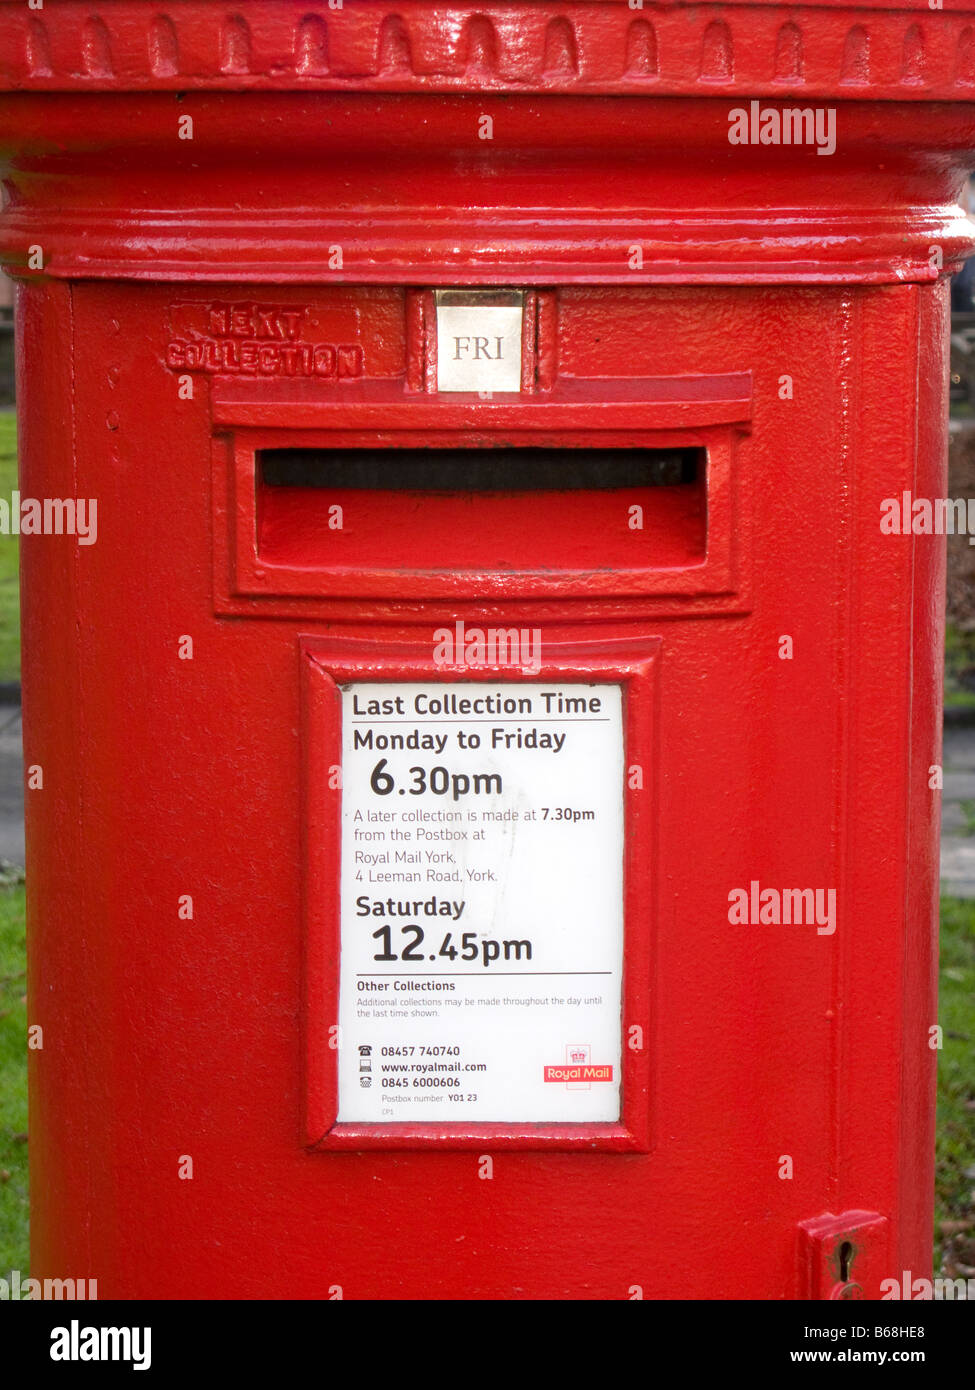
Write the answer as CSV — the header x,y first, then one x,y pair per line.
x,y
451,508
486,838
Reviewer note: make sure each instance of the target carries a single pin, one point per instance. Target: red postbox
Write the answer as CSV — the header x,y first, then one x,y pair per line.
x,y
483,795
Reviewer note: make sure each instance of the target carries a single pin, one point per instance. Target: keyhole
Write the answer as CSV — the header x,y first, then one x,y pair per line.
x,y
846,1256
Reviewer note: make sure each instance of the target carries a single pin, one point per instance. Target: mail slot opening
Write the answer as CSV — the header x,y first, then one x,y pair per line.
x,y
481,470
493,508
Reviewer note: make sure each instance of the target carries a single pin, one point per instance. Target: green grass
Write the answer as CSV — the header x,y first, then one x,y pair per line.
x,y
9,580
954,1192
959,663
13,1079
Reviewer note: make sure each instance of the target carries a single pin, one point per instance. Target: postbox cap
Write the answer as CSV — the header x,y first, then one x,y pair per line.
x,y
873,50
189,141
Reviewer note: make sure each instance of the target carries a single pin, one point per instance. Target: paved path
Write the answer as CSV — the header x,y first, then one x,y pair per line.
x,y
958,803
958,813
11,786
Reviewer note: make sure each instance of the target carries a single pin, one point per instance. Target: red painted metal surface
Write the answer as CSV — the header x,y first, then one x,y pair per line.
x,y
137,253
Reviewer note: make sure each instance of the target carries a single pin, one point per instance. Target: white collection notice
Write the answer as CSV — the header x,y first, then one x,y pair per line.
x,y
481,903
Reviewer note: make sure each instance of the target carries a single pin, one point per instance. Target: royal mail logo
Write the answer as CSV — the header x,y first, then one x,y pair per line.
x,y
579,1072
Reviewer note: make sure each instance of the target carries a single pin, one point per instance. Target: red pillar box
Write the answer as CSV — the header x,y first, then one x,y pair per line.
x,y
488,734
